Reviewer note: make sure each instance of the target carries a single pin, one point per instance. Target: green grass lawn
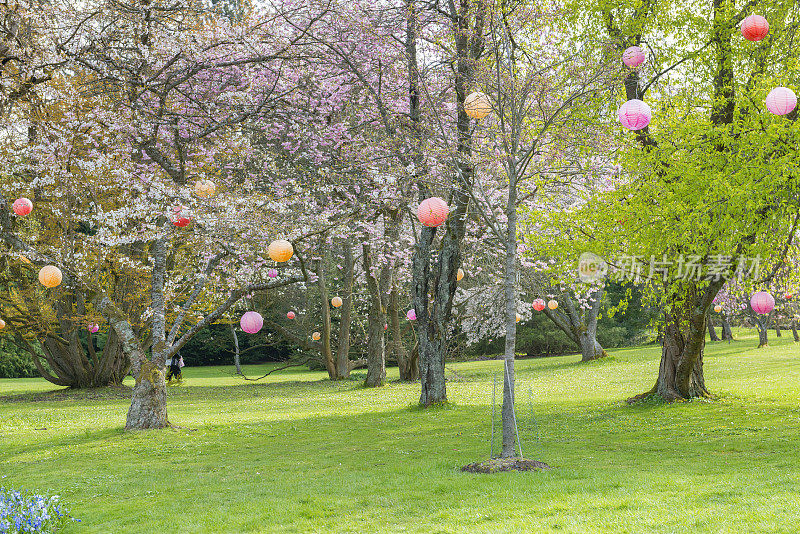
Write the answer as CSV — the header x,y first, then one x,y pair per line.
x,y
298,453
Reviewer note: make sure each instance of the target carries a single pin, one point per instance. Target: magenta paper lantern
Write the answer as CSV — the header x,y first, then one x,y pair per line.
x,y
290,315
411,315
272,273
251,322
755,28
538,304
432,211
94,328
22,206
633,56
781,101
762,302
634,114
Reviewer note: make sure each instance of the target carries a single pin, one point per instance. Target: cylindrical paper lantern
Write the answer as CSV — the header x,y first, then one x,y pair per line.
x,y
290,315
781,101
316,336
717,308
2,324
552,304
634,114
181,222
94,328
336,302
762,302
280,250
205,188
633,56
477,105
22,206
755,28
50,276
411,315
519,317
538,304
432,211
272,273
251,322
459,275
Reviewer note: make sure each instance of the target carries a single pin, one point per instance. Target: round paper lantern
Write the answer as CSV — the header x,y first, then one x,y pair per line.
x,y
272,273
385,326
336,302
717,308
755,28
2,324
181,222
94,328
788,296
290,315
762,302
251,322
280,250
432,211
205,188
50,276
22,206
633,56
538,304
459,275
411,315
477,105
634,114
519,317
552,304
781,101
316,336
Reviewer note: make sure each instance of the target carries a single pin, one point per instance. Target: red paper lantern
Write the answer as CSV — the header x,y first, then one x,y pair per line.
x,y
538,304
22,206
762,302
432,212
755,28
181,222
251,322
385,326
290,315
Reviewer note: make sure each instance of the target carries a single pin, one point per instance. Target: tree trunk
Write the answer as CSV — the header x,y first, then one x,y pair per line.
x,y
510,295
406,365
794,331
712,333
376,346
761,325
325,346
777,328
236,359
727,333
343,353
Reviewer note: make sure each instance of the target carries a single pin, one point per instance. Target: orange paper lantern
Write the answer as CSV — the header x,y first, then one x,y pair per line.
x,y
316,336
2,324
50,276
477,105
459,275
432,212
336,302
717,308
205,188
519,317
280,250
552,304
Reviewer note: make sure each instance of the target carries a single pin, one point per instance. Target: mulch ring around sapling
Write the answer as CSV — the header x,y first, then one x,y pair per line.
x,y
496,465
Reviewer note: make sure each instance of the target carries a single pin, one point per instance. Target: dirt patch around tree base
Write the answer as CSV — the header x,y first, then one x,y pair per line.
x,y
496,465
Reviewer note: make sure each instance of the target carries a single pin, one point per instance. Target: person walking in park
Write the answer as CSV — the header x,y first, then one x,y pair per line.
x,y
175,364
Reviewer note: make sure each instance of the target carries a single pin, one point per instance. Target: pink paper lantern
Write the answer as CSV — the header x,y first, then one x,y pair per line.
x,y
538,304
781,101
251,322
22,206
94,328
385,326
755,28
290,315
634,114
272,273
633,56
432,211
411,315
762,302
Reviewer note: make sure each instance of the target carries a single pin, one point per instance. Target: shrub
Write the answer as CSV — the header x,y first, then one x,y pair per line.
x,y
15,362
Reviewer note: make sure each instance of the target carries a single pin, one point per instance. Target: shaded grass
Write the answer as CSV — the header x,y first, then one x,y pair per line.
x,y
303,454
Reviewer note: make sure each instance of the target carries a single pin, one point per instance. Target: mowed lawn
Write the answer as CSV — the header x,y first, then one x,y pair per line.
x,y
298,453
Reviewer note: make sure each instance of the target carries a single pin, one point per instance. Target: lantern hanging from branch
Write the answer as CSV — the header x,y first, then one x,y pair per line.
x,y
552,304
519,317
336,302
459,275
316,336
762,302
290,315
22,206
788,296
272,273
717,308
385,326
181,221
411,315
755,28
205,188
2,324
633,56
251,322
634,114
50,276
280,250
432,212
477,105
94,328
781,101
538,304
